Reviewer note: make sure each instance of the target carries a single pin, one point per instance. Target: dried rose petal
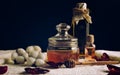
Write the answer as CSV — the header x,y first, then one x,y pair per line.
x,y
114,73
36,70
70,63
42,71
3,69
30,71
54,65
105,57
113,70
96,58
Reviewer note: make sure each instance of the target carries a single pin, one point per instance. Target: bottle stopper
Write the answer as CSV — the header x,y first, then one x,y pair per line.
x,y
81,6
90,38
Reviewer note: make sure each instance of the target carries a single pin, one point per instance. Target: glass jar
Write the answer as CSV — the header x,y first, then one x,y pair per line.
x,y
62,46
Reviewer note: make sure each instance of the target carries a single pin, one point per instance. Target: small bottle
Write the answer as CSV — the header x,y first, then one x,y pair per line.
x,y
90,47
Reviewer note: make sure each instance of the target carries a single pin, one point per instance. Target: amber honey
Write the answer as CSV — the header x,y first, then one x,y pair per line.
x,y
57,56
90,52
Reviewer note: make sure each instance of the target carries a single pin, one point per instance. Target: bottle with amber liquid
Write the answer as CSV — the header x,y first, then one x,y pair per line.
x,y
90,47
62,46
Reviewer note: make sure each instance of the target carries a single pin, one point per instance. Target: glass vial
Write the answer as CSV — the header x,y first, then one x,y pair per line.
x,y
90,47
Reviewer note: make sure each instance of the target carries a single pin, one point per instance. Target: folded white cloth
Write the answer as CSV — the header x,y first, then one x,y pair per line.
x,y
2,61
5,54
114,55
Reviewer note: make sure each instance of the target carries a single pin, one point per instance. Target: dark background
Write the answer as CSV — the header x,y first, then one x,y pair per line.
x,y
32,22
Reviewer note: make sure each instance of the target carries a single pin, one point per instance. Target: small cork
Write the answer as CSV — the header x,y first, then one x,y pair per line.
x,y
90,38
81,6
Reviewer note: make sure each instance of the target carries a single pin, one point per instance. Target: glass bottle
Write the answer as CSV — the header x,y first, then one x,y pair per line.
x,y
62,46
90,47
80,23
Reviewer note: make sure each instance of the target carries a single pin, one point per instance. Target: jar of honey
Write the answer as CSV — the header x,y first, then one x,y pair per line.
x,y
62,46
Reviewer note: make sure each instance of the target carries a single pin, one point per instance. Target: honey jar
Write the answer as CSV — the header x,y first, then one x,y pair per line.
x,y
62,46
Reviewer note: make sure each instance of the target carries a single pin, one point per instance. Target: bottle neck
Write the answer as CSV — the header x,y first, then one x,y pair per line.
x,y
90,44
63,33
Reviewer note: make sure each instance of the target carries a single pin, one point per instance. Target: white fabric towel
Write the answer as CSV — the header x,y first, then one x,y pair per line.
x,y
114,55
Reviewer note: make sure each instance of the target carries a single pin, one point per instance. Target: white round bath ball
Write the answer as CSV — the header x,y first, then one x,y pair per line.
x,y
29,49
14,55
25,55
42,56
30,61
34,54
20,59
37,48
39,62
20,51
